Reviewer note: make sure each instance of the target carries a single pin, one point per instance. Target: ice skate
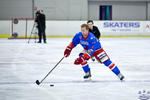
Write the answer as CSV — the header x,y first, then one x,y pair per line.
x,y
88,75
121,77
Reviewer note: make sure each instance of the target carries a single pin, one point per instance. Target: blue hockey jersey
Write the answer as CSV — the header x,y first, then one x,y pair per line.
x,y
90,43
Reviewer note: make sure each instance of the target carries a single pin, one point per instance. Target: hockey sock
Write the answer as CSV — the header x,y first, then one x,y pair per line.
x,y
85,67
112,66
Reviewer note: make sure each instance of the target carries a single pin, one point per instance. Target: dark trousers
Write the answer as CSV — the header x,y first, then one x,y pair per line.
x,y
41,33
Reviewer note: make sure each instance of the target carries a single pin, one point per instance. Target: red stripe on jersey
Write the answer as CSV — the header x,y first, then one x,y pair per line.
x,y
112,66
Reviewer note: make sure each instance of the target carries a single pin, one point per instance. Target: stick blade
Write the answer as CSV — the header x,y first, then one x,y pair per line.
x,y
37,82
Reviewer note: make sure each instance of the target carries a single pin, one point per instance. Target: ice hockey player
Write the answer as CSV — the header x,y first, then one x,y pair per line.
x,y
92,47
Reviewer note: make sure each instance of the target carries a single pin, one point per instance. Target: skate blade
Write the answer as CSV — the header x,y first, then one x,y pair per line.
x,y
122,80
88,79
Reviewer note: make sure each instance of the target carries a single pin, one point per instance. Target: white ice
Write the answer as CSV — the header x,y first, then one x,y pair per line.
x,y
21,64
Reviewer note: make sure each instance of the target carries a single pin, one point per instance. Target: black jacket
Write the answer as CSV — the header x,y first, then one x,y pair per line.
x,y
96,32
40,19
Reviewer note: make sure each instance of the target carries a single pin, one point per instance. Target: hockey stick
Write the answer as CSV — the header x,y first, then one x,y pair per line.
x,y
39,82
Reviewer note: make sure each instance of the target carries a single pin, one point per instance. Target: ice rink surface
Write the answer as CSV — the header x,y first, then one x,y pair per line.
x,y
21,64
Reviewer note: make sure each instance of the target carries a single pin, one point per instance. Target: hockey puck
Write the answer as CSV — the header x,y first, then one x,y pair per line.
x,y
51,85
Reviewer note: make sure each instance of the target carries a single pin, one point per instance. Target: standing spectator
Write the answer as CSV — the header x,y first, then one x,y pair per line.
x,y
41,22
93,29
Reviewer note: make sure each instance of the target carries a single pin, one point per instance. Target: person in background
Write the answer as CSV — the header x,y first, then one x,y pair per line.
x,y
93,29
41,25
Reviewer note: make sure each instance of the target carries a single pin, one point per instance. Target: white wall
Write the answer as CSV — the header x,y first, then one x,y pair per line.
x,y
74,9
69,28
63,9
5,27
120,10
54,9
15,8
129,11
148,15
